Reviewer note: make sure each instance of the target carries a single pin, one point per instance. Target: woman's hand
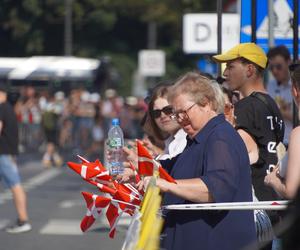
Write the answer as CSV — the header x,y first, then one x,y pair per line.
x,y
128,176
143,184
162,184
153,150
130,155
273,179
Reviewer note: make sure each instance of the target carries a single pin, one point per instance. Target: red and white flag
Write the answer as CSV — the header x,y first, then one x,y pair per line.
x,y
137,176
97,164
113,214
89,170
147,165
102,187
83,159
128,196
119,204
124,197
103,173
84,170
94,204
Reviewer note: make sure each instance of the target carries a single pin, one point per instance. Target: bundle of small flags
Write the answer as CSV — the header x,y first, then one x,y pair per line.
x,y
120,198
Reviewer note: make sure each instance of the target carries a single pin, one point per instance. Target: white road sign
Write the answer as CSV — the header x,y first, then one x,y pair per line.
x,y
200,32
152,62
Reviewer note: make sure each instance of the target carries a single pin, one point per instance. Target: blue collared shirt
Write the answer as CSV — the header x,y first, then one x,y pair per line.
x,y
218,156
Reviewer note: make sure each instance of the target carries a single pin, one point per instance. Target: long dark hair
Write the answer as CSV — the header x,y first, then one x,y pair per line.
x,y
159,91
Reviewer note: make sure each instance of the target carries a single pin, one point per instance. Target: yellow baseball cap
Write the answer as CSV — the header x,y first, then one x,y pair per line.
x,y
249,51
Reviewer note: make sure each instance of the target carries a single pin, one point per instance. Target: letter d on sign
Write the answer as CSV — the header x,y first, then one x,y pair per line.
x,y
202,32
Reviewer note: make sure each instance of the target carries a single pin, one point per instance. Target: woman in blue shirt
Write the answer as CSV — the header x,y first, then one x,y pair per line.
x,y
214,167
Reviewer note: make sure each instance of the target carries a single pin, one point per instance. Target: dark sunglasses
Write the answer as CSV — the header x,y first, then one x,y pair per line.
x,y
293,66
275,66
167,110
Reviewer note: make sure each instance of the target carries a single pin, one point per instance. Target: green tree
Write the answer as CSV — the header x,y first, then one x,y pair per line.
x,y
115,28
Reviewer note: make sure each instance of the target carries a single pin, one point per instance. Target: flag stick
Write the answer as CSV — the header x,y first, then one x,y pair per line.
x,y
126,203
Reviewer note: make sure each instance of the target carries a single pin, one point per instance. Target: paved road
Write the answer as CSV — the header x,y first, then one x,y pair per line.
x,y
55,207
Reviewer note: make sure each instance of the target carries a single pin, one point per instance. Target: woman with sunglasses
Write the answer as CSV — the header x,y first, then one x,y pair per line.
x,y
214,167
287,186
164,137
164,127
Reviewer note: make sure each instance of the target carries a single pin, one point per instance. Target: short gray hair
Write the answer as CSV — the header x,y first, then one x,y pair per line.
x,y
200,89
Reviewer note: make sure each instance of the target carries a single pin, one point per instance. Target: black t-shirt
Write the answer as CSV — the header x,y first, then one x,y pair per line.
x,y
260,121
9,133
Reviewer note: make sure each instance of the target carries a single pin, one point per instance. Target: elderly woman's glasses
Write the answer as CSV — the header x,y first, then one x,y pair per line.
x,y
182,114
167,110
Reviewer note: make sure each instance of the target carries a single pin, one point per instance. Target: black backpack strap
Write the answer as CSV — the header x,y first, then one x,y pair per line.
x,y
277,130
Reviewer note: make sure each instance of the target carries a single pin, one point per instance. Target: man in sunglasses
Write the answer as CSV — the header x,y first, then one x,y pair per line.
x,y
280,86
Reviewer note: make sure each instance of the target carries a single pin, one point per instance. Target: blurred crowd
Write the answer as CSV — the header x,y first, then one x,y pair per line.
x,y
57,124
219,142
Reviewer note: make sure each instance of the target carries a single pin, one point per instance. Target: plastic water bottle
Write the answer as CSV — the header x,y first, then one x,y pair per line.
x,y
115,142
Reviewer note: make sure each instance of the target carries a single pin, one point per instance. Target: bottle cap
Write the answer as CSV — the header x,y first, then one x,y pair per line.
x,y
115,122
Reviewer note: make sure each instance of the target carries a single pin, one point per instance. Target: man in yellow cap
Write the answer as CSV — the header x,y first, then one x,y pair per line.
x,y
258,119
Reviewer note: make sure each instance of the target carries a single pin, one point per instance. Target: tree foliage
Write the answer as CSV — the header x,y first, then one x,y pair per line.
x,y
115,28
